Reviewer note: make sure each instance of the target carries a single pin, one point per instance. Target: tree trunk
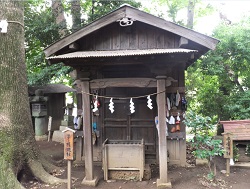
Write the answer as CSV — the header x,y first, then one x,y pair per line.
x,y
58,12
17,142
76,14
190,14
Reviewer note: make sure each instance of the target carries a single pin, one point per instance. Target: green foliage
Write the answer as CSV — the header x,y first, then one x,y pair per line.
x,y
218,84
40,31
210,176
205,146
174,7
97,8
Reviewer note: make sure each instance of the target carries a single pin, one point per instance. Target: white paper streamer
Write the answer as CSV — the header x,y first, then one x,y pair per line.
x,y
111,105
149,103
95,104
132,107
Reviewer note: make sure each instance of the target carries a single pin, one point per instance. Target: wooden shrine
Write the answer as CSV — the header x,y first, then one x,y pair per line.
x,y
129,54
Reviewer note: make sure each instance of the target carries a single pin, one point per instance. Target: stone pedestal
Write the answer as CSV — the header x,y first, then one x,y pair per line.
x,y
40,126
41,138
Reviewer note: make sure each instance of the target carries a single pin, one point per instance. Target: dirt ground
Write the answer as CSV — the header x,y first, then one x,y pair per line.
x,y
190,177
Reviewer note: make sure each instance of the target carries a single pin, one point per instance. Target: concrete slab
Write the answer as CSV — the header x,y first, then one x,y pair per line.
x,y
90,182
162,184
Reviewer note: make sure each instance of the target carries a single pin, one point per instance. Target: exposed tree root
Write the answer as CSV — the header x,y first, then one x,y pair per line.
x,y
48,166
39,172
51,160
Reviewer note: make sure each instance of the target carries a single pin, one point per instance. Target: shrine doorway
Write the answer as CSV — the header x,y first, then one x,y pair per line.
x,y
122,125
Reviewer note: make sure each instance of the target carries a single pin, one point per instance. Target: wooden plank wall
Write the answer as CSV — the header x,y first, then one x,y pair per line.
x,y
137,36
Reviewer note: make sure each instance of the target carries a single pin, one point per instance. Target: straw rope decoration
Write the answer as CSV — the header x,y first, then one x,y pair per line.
x,y
132,108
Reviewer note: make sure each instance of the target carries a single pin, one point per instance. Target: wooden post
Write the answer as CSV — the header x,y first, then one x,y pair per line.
x,y
228,147
87,135
69,174
68,151
161,104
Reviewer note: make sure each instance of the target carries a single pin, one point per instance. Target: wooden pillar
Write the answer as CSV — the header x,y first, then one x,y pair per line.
x,y
87,132
161,104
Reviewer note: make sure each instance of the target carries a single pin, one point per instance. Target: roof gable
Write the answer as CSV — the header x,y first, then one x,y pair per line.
x,y
137,15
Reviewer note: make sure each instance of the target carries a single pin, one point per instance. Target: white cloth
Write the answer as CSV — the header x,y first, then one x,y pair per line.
x,y
168,104
171,120
178,117
177,99
157,125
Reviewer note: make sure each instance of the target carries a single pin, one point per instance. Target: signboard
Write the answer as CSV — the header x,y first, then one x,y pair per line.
x,y
68,144
228,145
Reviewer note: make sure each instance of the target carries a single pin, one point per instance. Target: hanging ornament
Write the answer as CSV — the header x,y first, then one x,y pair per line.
x,y
95,104
149,103
183,104
231,161
168,104
178,117
111,105
177,98
132,107
171,120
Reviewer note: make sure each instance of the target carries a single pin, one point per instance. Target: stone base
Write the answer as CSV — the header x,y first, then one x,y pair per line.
x,y
161,184
41,138
90,182
58,136
62,128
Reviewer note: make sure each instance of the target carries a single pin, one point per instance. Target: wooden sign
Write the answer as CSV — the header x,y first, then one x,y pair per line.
x,y
49,127
49,123
228,145
68,144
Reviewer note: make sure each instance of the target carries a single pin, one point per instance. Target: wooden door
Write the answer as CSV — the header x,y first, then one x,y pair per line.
x,y
122,125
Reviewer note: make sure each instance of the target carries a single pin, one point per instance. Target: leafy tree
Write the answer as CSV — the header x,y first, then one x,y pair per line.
x,y
205,147
225,91
194,8
18,149
41,31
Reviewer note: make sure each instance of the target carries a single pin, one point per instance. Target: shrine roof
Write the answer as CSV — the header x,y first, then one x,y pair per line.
x,y
136,15
90,54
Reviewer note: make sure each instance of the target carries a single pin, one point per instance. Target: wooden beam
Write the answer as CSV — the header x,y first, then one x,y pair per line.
x,y
183,42
127,82
74,46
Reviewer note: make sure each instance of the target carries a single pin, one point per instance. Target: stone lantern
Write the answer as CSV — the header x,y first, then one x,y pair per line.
x,y
39,111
